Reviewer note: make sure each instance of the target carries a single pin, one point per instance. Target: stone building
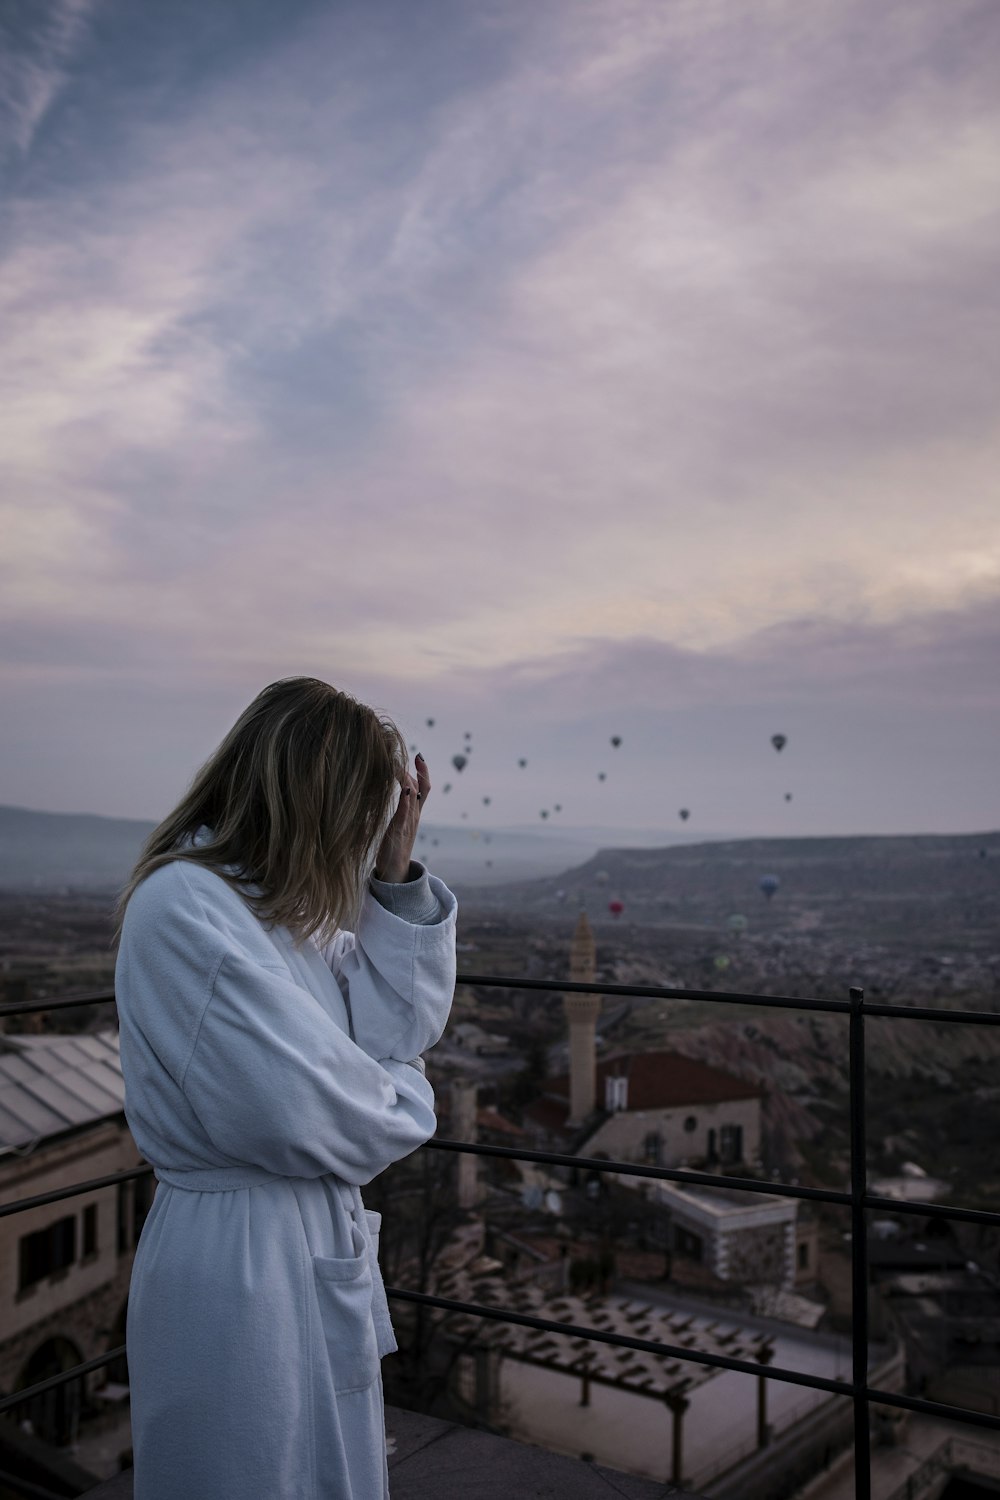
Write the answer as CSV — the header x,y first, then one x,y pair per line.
x,y
65,1266
663,1109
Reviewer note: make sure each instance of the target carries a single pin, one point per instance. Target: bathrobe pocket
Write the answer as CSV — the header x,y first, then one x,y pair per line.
x,y
374,1225
344,1289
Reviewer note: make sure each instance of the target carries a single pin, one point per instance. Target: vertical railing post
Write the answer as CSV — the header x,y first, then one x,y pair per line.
x,y
859,1247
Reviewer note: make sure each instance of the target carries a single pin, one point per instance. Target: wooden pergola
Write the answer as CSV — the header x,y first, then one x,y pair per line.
x,y
659,1377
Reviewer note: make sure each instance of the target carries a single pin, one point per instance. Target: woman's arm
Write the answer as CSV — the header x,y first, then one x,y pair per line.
x,y
275,1081
397,971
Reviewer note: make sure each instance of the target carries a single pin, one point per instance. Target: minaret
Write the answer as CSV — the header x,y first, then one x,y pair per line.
x,y
464,1097
581,1013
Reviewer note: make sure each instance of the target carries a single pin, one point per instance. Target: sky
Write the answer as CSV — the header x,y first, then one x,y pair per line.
x,y
557,369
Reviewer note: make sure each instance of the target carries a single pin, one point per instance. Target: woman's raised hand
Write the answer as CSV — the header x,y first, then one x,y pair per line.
x,y
396,849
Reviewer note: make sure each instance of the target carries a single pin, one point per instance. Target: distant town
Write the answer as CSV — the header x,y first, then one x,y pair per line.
x,y
708,1084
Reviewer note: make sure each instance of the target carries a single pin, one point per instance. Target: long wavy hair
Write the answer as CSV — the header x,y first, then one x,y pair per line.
x,y
297,798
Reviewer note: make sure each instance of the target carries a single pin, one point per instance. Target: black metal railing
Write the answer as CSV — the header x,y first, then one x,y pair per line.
x,y
858,1200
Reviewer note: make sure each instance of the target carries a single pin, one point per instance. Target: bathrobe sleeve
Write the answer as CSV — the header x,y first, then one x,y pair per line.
x,y
275,1081
397,977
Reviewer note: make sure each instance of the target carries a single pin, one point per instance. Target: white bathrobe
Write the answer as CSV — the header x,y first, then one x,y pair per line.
x,y
266,1086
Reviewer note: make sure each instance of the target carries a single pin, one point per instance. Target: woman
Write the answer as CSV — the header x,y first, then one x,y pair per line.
x,y
283,963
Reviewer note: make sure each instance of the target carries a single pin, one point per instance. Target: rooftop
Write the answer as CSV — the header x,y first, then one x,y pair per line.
x,y
432,1458
49,1084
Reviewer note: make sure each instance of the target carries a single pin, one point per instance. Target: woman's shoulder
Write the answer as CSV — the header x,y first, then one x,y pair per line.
x,y
180,888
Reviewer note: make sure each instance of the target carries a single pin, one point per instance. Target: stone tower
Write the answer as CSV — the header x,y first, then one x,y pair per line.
x,y
464,1099
581,1013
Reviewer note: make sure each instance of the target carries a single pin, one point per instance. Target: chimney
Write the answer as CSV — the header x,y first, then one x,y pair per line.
x,y
581,1013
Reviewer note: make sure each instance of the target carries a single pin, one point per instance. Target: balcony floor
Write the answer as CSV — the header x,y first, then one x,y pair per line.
x,y
443,1460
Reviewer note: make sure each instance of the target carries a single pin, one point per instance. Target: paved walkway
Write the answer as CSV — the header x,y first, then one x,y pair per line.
x,y
434,1460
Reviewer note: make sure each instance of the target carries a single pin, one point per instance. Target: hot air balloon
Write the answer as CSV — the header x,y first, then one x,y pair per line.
x,y
412,749
616,908
434,841
788,796
522,763
560,895
458,761
465,815
487,837
446,787
602,877
769,884
602,775
544,813
684,814
557,807
486,801
468,734
779,741
489,861
737,922
430,723
616,740
721,961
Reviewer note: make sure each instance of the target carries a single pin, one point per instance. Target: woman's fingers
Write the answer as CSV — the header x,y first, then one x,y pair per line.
x,y
423,779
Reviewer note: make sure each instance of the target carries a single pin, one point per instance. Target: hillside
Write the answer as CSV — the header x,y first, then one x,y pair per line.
x,y
941,888
52,851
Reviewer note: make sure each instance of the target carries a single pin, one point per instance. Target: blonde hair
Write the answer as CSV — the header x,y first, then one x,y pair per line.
x,y
297,798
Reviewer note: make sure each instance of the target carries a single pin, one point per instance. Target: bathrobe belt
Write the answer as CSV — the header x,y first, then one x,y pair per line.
x,y
226,1179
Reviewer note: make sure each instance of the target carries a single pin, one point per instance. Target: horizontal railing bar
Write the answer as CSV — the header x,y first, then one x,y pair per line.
x,y
662,992
648,992
933,1408
21,1204
62,1002
933,1013
931,1210
779,1189
641,1169
707,1179
63,1378
400,1294
620,1340
643,991
697,1356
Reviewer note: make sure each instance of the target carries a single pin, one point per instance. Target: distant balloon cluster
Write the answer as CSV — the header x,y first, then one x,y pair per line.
x,y
768,883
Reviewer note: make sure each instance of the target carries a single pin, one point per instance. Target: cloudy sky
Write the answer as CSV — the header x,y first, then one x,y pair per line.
x,y
552,368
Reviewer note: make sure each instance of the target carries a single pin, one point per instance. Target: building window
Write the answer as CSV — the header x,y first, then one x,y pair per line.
x,y
47,1251
690,1124
90,1229
651,1147
731,1143
804,1256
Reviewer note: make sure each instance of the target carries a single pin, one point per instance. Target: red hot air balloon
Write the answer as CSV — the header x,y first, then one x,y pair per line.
x,y
616,908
